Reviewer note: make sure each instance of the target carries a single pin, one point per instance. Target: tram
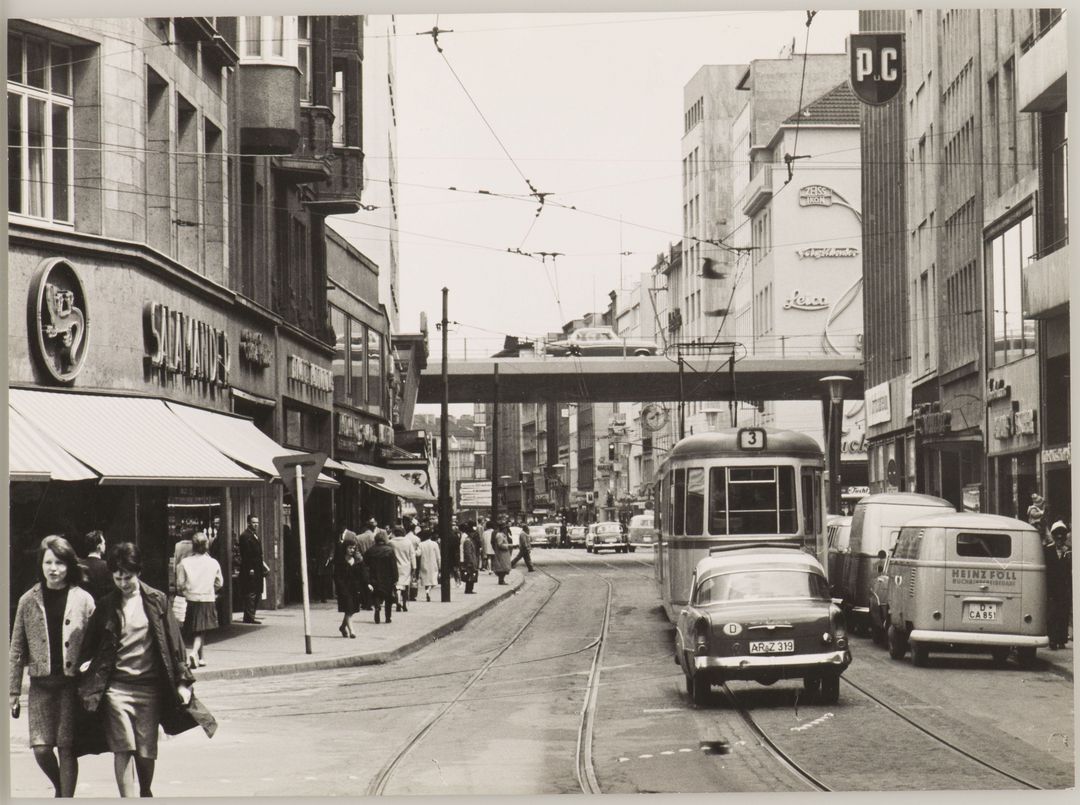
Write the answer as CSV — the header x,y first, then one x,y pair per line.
x,y
734,486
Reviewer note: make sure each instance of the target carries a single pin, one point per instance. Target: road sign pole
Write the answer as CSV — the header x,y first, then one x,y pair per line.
x,y
303,557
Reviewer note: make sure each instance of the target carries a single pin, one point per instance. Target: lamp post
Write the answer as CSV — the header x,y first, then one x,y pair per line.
x,y
835,410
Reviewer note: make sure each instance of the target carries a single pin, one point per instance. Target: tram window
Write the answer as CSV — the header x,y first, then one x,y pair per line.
x,y
717,501
678,491
787,514
695,501
811,502
761,500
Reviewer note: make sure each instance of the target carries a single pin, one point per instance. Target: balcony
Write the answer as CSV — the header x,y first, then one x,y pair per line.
x,y
268,97
313,159
759,192
1046,285
1041,73
340,193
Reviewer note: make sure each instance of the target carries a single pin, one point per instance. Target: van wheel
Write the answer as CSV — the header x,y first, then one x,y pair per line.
x,y
897,643
1026,656
920,654
1000,655
877,631
830,689
700,690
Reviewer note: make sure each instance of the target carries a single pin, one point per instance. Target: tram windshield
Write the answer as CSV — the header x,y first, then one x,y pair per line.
x,y
752,500
757,584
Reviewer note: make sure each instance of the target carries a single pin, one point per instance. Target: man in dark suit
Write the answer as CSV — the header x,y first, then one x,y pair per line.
x,y
252,568
97,577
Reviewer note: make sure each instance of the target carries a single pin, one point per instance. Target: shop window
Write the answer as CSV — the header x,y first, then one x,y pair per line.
x,y
1008,253
40,155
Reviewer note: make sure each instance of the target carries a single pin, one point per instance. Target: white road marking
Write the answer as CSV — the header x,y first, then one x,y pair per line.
x,y
663,709
623,759
812,724
644,756
686,750
668,752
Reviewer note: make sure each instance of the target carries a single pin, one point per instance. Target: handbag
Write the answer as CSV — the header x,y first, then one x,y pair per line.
x,y
184,717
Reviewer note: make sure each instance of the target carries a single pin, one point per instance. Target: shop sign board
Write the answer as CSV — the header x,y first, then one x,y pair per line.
x,y
878,408
877,66
997,389
1057,455
817,252
180,344
318,379
473,494
353,432
1024,422
799,301
59,320
254,351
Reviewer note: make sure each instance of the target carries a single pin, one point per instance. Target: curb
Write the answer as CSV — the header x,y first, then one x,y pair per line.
x,y
368,658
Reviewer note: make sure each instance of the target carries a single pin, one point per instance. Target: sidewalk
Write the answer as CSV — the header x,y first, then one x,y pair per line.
x,y
276,646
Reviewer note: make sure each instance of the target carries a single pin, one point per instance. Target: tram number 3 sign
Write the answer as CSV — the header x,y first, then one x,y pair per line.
x,y
751,438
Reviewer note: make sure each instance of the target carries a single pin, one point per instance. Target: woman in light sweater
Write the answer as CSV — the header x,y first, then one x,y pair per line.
x,y
198,579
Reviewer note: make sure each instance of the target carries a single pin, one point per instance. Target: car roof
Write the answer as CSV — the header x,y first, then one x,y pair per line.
x,y
969,521
757,558
905,499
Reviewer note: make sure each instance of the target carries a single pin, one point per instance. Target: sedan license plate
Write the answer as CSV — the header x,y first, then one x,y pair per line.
x,y
771,646
982,612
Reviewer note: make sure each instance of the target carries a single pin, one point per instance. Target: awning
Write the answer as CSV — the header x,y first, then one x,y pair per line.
x,y
238,438
364,472
33,456
128,440
395,483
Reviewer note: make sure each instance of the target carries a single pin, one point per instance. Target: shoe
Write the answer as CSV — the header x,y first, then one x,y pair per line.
x,y
201,662
376,616
352,635
404,609
252,620
192,664
427,596
388,620
343,632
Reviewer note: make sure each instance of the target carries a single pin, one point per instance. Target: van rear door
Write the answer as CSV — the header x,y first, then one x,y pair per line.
x,y
983,583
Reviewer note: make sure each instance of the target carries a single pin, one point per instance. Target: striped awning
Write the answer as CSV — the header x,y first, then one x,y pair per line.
x,y
33,456
129,440
395,483
238,438
363,472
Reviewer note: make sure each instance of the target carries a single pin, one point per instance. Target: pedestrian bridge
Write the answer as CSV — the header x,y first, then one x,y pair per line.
x,y
636,379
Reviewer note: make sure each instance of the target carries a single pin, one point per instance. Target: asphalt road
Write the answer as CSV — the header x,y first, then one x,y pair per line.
x,y
497,709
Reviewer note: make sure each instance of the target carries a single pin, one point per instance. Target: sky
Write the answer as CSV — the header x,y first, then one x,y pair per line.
x,y
587,107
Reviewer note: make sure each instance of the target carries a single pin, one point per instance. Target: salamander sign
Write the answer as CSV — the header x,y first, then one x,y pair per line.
x,y
877,66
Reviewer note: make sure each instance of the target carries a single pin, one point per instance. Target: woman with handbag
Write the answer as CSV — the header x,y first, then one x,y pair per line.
x,y
469,564
48,632
135,670
198,580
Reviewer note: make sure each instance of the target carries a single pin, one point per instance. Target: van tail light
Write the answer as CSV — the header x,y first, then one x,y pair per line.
x,y
701,637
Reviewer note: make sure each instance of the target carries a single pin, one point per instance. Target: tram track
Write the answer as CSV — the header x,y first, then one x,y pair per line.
x,y
800,771
584,771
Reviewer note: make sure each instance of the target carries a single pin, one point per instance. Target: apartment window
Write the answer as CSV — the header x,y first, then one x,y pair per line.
x,y
1010,145
376,386
1054,181
268,39
340,367
357,341
337,102
40,156
992,130
924,320
1008,253
303,55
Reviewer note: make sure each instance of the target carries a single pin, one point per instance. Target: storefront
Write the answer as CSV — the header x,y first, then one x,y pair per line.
x,y
1014,430
890,449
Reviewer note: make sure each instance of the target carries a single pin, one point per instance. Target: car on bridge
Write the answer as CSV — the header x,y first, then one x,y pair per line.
x,y
598,341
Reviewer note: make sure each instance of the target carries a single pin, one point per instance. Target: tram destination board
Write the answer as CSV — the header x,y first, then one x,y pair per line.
x,y
751,439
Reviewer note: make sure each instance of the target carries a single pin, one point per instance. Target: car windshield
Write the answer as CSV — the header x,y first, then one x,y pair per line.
x,y
761,584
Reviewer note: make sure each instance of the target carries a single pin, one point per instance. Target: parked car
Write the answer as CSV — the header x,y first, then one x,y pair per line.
x,y
761,614
837,546
607,536
590,341
546,535
875,526
963,579
578,535
642,530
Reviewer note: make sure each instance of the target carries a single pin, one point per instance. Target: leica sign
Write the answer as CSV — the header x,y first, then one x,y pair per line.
x,y
877,66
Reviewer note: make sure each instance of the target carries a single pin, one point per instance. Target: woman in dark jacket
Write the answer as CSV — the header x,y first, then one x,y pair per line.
x,y
137,672
470,562
349,574
382,573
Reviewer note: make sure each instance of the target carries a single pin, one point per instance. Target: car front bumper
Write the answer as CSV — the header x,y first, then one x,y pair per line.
x,y
979,638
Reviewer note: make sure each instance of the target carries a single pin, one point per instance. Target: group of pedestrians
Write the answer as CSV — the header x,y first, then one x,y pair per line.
x,y
107,666
1057,555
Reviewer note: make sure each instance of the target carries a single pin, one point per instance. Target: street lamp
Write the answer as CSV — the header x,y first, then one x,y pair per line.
x,y
835,386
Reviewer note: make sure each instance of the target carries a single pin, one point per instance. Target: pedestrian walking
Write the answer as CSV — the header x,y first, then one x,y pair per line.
x,y
406,565
47,635
524,550
453,551
1058,559
366,538
349,576
412,536
489,548
198,580
252,568
470,560
382,568
97,580
136,673
500,560
429,562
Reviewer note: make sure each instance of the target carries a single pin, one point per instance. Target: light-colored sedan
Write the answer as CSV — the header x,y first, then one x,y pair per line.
x,y
590,341
607,536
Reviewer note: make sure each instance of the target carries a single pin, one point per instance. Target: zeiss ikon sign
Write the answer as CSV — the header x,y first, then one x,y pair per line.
x,y
877,66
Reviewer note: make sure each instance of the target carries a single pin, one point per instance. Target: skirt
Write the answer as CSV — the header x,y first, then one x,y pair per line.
x,y
52,708
201,617
132,715
348,602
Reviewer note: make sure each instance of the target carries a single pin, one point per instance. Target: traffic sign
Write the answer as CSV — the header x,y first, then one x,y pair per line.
x,y
474,494
311,465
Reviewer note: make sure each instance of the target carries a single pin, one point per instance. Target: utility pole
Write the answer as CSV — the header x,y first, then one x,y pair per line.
x,y
444,460
682,399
